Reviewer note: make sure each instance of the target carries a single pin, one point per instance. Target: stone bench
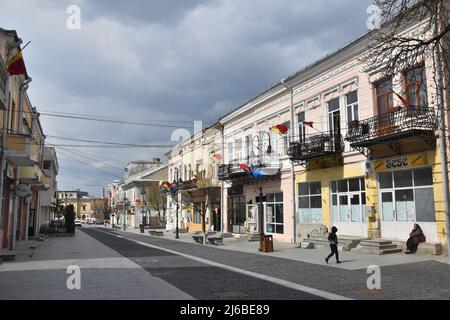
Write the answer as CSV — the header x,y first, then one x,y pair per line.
x,y
215,240
156,233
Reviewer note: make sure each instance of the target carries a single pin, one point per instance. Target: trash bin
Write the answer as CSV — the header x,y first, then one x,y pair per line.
x,y
141,226
267,245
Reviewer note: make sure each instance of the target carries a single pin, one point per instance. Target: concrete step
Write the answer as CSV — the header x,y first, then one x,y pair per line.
x,y
375,243
8,255
380,252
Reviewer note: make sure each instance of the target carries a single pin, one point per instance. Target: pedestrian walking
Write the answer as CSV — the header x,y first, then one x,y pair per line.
x,y
332,238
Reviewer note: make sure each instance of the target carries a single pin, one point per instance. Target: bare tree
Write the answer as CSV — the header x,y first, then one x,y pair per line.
x,y
158,201
396,48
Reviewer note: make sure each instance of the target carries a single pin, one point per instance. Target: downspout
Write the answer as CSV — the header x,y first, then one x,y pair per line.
x,y
27,215
442,134
9,47
15,220
292,136
222,187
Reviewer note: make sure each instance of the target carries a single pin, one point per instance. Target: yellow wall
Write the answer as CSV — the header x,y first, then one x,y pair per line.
x,y
354,170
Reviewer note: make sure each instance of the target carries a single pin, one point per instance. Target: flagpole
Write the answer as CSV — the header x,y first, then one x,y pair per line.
x,y
25,46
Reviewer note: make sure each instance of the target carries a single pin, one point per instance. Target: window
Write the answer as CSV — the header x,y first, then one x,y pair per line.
x,y
301,126
197,214
385,100
286,137
407,195
238,148
310,202
47,164
352,106
274,213
416,89
334,116
3,90
348,200
230,152
84,208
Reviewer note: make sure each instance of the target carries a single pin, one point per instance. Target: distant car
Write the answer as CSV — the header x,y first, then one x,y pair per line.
x,y
99,222
77,223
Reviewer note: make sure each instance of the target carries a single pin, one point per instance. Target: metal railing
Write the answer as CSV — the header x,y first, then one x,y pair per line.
x,y
392,125
316,146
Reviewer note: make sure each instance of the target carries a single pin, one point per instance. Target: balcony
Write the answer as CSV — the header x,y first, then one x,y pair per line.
x,y
187,185
233,172
31,175
403,130
208,182
321,150
20,150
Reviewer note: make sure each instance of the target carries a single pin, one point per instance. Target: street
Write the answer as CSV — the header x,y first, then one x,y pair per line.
x,y
123,265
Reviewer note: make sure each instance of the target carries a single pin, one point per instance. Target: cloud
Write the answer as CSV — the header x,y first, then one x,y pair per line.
x,y
167,60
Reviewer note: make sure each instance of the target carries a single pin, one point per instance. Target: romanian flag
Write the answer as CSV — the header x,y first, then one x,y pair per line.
x,y
16,65
403,100
246,169
216,157
169,187
308,123
280,129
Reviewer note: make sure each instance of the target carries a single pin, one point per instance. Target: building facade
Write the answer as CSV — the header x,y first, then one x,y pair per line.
x,y
22,177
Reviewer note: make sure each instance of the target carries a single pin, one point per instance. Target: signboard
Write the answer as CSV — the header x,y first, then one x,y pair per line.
x,y
401,162
22,190
252,218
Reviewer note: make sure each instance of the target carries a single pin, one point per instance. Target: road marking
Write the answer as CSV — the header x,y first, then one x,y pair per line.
x,y
284,283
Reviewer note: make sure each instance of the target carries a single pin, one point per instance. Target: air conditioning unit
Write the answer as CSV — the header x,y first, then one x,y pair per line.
x,y
370,212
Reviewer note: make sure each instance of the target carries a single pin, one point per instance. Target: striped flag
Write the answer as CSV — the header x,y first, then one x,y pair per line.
x,y
16,65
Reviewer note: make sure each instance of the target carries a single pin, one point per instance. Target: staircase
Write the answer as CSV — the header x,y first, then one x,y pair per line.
x,y
321,242
378,247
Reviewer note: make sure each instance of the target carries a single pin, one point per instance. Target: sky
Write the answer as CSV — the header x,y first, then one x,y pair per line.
x,y
164,63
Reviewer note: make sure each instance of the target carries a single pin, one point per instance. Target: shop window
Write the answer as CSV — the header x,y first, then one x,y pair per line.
x,y
310,202
408,197
348,200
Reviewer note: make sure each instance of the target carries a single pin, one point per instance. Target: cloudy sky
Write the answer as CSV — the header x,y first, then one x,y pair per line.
x,y
162,62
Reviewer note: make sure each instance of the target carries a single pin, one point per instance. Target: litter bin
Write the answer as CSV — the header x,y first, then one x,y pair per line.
x,y
267,245
141,226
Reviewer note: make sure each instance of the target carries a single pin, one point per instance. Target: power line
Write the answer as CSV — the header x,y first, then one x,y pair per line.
x,y
88,165
89,158
113,143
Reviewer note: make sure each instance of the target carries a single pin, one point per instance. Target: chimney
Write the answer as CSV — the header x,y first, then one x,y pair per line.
x,y
157,161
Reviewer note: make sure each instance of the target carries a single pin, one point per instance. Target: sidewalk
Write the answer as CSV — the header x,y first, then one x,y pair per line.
x,y
105,274
350,260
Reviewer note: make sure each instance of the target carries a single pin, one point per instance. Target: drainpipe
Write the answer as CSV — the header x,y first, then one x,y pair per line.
x,y
9,47
442,134
27,215
15,220
292,135
222,187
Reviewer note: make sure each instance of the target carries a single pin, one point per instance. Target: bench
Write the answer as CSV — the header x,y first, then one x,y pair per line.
x,y
156,233
215,240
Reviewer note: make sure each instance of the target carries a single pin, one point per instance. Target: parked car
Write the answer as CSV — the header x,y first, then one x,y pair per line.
x,y
77,223
99,222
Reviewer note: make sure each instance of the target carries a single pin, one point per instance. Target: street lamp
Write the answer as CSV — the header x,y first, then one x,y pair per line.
x,y
261,194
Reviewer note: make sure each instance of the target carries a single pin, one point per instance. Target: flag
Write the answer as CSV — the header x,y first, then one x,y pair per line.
x,y
280,129
16,65
246,169
216,157
403,100
308,123
256,172
169,187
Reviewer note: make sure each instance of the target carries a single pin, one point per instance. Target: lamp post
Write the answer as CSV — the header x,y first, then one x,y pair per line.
x,y
125,200
261,194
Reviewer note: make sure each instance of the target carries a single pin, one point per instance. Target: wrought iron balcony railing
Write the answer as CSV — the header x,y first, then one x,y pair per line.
x,y
316,146
233,171
396,125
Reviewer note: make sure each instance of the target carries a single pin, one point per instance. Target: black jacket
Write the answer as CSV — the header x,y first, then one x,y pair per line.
x,y
332,237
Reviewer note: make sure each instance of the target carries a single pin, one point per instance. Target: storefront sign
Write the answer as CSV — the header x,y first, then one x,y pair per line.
x,y
401,162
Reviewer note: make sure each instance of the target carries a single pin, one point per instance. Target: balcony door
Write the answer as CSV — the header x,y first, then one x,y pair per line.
x,y
385,104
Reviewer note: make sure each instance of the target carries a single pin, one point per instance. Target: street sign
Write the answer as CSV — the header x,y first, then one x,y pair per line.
x,y
22,190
